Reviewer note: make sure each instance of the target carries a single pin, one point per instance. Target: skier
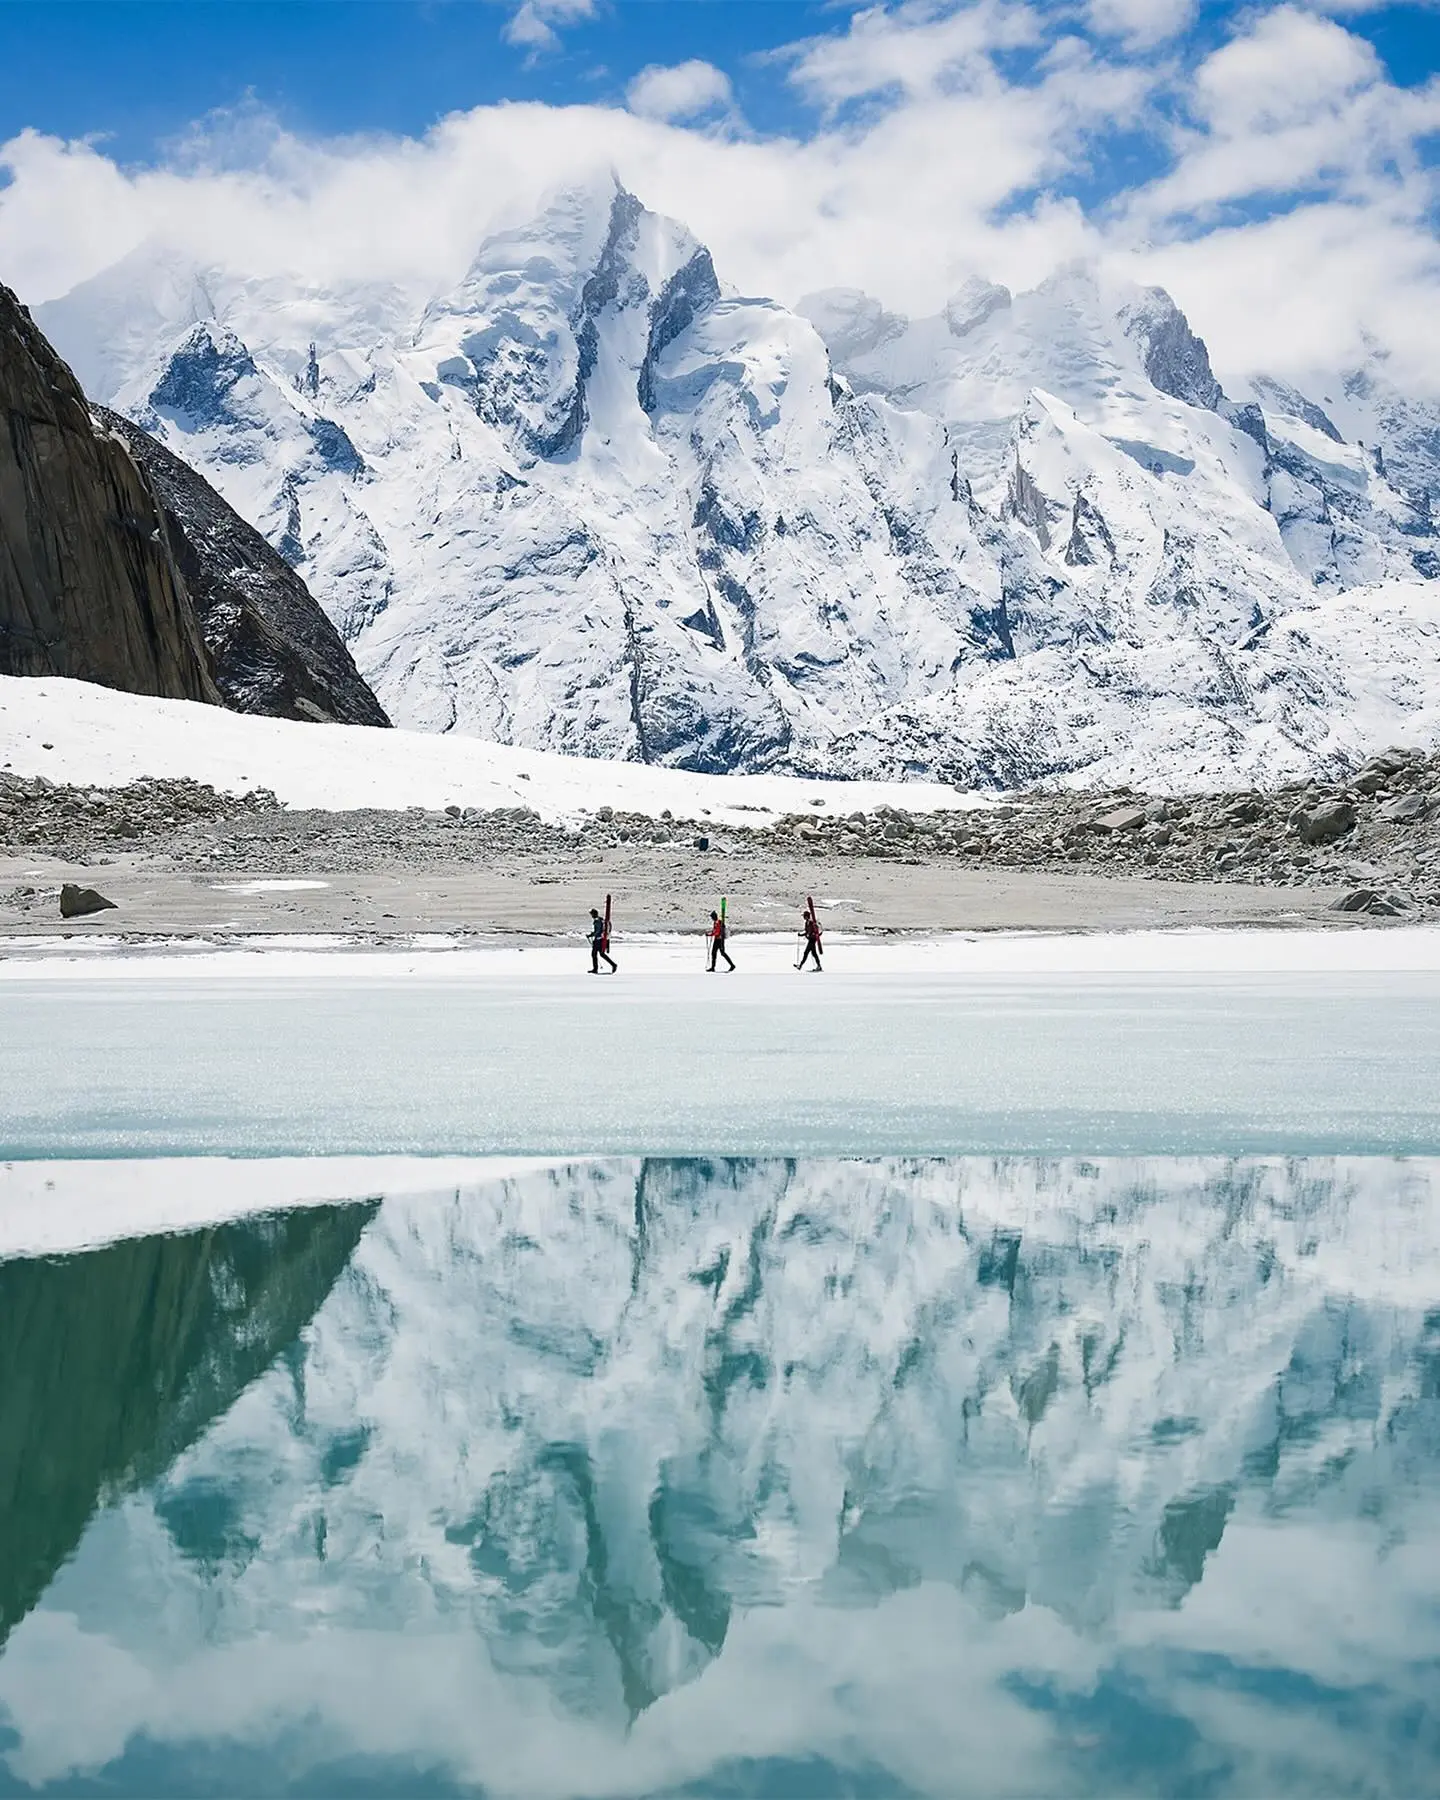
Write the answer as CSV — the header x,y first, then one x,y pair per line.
x,y
599,943
810,926
717,943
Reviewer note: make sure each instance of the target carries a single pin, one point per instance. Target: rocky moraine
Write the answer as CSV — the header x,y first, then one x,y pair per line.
x,y
1371,839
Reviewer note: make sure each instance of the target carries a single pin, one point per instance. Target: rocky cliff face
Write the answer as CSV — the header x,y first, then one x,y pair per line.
x,y
120,565
274,651
89,587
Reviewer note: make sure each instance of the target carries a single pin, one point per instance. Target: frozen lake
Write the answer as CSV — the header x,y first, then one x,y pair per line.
x,y
997,1366
1222,1042
718,1477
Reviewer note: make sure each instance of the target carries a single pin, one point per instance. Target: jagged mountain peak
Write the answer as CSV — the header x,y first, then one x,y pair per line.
x,y
973,302
522,333
201,373
850,321
1174,358
1279,399
600,502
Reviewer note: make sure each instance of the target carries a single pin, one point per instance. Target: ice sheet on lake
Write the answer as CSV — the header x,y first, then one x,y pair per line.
x,y
1211,1042
57,1208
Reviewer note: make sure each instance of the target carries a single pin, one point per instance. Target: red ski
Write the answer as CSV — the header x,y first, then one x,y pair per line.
x,y
605,938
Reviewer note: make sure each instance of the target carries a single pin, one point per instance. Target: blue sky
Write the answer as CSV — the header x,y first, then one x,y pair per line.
x,y
1276,164
139,72
135,74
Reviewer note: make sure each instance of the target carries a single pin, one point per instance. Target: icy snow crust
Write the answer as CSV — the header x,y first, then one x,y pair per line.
x,y
1177,1042
594,501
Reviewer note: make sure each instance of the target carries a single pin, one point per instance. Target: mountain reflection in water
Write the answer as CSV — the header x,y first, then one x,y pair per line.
x,y
692,1477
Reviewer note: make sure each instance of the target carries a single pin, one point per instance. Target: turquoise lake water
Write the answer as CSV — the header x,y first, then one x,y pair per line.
x,y
717,1476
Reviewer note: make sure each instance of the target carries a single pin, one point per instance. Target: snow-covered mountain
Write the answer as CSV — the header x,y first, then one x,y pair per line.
x,y
644,1465
594,500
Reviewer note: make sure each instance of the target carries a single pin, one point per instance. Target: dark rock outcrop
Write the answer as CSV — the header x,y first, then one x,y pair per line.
x,y
1175,359
273,649
89,586
120,565
80,902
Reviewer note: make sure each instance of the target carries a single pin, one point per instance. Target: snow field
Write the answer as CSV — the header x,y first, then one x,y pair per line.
x,y
74,732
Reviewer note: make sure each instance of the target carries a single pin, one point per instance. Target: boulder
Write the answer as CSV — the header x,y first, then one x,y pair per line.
x,y
79,902
1372,901
1328,821
1124,818
1403,810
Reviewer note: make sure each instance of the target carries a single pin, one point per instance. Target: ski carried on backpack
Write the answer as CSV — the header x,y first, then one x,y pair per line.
x,y
605,935
813,917
710,956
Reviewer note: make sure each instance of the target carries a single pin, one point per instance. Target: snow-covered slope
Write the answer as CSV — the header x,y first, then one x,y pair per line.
x,y
593,500
75,732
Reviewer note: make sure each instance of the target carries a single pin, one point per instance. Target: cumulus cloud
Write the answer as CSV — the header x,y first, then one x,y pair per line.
x,y
1288,204
532,25
683,91
1296,104
1141,23
916,48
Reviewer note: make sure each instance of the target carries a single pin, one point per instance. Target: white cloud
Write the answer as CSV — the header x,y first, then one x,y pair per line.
x,y
1288,68
1351,8
683,91
1141,24
532,25
1299,294
936,160
915,48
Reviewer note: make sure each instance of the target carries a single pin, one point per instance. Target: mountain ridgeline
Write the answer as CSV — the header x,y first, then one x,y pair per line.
x,y
120,565
592,499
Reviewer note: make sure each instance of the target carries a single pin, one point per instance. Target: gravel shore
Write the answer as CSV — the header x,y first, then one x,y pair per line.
x,y
180,858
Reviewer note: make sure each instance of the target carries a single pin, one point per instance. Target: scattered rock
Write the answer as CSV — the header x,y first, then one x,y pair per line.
x,y
79,902
1404,809
1303,834
1330,820
1370,900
